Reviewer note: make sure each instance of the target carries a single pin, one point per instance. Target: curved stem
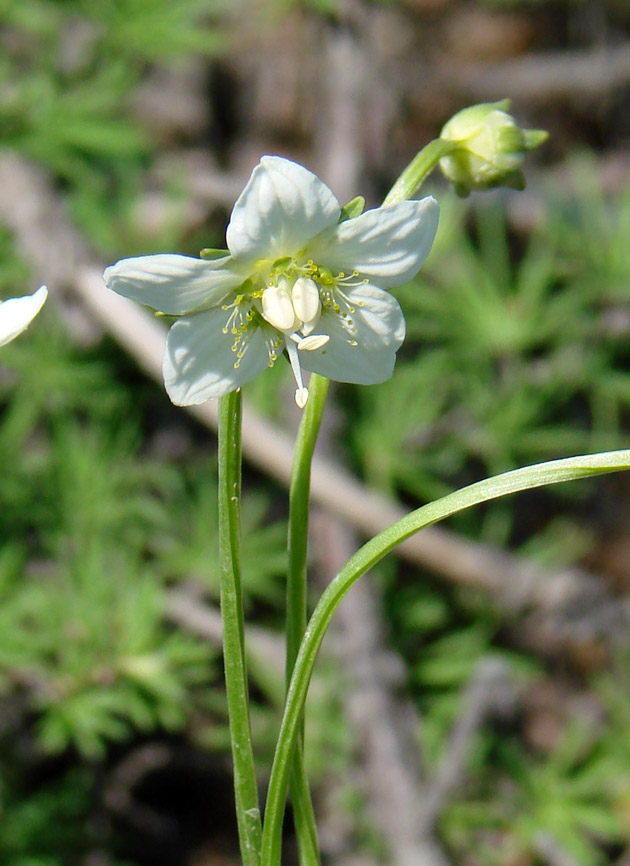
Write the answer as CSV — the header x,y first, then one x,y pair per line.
x,y
540,475
299,496
418,170
246,791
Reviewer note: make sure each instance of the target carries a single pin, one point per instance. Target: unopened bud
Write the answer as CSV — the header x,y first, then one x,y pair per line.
x,y
490,148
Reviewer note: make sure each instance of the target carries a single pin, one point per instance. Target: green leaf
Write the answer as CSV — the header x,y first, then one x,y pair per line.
x,y
353,209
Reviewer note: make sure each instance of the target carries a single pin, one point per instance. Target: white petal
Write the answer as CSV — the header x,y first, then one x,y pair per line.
x,y
380,330
388,244
199,363
16,314
282,207
173,284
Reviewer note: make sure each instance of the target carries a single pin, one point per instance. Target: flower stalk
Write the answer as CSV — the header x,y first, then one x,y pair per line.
x,y
299,496
418,170
245,787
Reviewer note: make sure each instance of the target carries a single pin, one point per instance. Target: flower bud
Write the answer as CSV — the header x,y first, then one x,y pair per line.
x,y
489,148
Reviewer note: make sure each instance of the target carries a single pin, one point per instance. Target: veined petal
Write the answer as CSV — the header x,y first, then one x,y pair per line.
x,y
199,362
173,284
282,206
387,244
16,314
379,331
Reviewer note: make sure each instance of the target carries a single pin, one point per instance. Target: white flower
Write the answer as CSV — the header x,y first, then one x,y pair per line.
x,y
16,314
296,280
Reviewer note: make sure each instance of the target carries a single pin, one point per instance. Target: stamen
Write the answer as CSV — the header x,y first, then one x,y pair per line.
x,y
305,298
277,307
309,327
316,341
301,394
301,397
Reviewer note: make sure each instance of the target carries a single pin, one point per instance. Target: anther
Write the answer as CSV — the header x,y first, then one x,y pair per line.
x,y
301,397
277,307
316,341
305,298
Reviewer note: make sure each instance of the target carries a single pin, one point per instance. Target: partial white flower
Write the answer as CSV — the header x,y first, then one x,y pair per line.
x,y
16,314
296,280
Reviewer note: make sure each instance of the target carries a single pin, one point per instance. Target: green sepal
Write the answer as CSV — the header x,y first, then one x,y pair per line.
x,y
245,287
281,264
353,209
210,253
534,137
516,181
461,190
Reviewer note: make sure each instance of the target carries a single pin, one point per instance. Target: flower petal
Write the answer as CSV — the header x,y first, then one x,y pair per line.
x,y
16,314
387,244
380,330
199,362
173,284
282,207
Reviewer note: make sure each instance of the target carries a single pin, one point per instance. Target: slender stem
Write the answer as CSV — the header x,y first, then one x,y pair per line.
x,y
299,496
540,475
246,791
418,170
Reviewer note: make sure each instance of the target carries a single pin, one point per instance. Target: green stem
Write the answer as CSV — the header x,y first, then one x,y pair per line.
x,y
246,791
299,496
502,485
418,170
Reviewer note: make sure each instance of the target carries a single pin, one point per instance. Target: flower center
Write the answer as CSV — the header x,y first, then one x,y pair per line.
x,y
292,300
292,308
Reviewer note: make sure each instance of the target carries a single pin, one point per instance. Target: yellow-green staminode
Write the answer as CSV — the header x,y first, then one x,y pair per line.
x,y
490,148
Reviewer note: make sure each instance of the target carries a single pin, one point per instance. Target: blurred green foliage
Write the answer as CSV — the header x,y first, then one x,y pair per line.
x,y
69,76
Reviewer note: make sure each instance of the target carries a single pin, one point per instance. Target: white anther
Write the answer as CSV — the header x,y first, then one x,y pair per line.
x,y
277,308
309,344
306,303
301,397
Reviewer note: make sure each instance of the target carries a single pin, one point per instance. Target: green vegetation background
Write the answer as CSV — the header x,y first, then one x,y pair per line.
x,y
107,493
